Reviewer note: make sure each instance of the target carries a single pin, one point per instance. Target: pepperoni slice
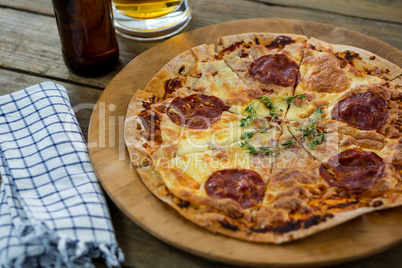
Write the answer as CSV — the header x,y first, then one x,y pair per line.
x,y
354,169
366,111
243,186
275,69
196,111
151,117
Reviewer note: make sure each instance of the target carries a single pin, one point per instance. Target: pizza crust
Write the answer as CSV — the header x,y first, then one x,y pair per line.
x,y
327,223
365,61
255,38
133,129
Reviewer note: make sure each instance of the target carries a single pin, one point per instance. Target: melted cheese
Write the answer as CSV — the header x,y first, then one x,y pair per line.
x,y
178,140
221,81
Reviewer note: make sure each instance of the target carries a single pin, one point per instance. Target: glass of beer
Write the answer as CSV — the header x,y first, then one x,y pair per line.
x,y
150,19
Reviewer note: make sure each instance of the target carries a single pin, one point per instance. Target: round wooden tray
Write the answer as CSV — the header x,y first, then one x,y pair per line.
x,y
358,238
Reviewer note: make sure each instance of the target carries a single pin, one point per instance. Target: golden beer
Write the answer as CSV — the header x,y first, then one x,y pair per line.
x,y
145,9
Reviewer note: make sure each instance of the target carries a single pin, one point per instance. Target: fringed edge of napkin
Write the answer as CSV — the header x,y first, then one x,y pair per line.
x,y
64,252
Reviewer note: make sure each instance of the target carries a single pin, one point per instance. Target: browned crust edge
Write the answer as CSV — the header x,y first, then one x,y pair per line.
x,y
212,221
368,59
263,38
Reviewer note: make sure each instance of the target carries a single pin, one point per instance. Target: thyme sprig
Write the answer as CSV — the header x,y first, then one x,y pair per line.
x,y
247,135
264,127
265,150
288,143
274,150
272,108
312,131
274,112
268,103
273,115
252,113
290,99
245,122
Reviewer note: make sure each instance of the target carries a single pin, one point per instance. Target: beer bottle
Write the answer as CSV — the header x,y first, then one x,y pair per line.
x,y
88,39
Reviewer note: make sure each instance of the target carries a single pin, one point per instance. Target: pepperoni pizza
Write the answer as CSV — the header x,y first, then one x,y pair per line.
x,y
270,137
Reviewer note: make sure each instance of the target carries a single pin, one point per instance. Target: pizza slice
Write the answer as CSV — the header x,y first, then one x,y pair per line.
x,y
267,63
200,71
363,163
371,178
327,72
178,73
368,109
142,124
298,201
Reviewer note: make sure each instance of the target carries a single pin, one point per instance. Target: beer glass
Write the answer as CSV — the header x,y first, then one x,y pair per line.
x,y
150,19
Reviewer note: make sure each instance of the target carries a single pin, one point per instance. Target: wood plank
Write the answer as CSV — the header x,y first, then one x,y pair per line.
x,y
388,32
36,6
82,98
34,47
208,12
370,9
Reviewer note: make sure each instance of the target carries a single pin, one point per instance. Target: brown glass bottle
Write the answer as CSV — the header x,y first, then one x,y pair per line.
x,y
88,39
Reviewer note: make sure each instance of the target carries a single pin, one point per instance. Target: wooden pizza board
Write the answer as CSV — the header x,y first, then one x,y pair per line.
x,y
364,236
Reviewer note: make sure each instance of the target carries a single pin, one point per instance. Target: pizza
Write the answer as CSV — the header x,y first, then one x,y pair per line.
x,y
270,137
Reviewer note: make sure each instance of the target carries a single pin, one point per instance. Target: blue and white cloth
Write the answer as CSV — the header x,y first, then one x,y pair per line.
x,y
52,209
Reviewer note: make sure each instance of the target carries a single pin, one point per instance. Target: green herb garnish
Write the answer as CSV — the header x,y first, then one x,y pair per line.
x,y
245,143
265,150
320,137
288,144
268,103
289,99
273,115
247,135
312,130
245,122
264,127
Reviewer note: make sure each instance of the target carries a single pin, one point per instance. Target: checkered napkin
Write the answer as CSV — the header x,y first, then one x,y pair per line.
x,y
52,210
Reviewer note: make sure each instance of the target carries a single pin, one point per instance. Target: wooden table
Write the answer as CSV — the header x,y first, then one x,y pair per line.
x,y
30,54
